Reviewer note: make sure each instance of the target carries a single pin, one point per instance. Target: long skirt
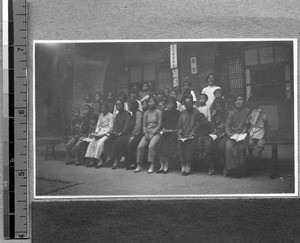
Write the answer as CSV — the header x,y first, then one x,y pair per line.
x,y
95,148
118,148
186,150
219,147
167,145
205,144
235,154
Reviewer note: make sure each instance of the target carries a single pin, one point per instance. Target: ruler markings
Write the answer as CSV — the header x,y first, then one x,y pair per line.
x,y
16,186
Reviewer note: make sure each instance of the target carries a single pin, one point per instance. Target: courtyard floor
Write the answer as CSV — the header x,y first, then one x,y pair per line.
x,y
54,178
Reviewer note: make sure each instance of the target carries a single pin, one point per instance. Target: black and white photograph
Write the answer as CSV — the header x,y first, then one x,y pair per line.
x,y
165,118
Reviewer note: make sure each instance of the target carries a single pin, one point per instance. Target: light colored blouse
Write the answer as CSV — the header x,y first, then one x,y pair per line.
x,y
105,124
209,91
205,111
152,121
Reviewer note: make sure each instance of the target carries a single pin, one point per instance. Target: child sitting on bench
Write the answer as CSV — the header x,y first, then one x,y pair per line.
x,y
259,127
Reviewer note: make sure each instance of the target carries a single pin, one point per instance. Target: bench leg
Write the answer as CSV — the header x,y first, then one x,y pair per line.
x,y
274,161
47,152
53,151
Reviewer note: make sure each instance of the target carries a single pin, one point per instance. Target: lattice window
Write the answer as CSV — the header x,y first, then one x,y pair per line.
x,y
236,83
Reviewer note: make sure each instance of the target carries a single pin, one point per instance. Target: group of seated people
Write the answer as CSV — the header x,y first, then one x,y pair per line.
x,y
148,126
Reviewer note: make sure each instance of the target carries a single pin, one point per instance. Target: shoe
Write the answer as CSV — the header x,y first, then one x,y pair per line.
x,y
211,172
187,173
131,167
136,171
150,171
160,171
71,162
183,173
91,164
165,171
98,166
114,167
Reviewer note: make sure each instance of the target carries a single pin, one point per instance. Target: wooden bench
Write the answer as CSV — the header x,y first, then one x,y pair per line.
x,y
50,143
274,158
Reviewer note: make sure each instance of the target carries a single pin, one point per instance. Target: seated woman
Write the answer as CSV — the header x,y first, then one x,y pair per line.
x,y
173,94
144,106
110,100
133,95
236,131
136,135
187,138
145,92
116,143
102,132
151,127
121,96
98,100
217,136
168,134
88,139
81,130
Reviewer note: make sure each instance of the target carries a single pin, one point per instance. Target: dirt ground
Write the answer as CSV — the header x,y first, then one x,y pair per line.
x,y
54,178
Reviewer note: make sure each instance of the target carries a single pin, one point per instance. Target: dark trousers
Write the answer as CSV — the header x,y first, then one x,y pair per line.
x,y
76,148
118,147
186,149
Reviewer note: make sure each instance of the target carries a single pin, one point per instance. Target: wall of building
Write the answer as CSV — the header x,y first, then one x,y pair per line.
x,y
205,57
88,77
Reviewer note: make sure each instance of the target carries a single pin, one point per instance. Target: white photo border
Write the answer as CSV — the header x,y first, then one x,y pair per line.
x,y
175,197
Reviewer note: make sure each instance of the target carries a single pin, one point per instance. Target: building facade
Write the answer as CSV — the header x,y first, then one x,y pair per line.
x,y
261,71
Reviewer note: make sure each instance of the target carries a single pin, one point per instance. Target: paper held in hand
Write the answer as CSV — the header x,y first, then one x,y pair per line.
x,y
239,137
166,131
87,139
213,136
185,139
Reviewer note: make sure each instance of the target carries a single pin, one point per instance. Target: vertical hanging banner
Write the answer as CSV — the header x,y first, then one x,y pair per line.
x,y
174,64
175,77
173,55
193,65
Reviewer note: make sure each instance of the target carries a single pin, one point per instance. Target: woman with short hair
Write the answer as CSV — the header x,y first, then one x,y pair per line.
x,y
151,127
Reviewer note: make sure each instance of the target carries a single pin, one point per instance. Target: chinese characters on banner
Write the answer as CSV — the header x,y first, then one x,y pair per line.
x,y
175,77
174,64
173,55
193,65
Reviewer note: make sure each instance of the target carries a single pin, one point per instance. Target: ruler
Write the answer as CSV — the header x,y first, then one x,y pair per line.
x,y
15,121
